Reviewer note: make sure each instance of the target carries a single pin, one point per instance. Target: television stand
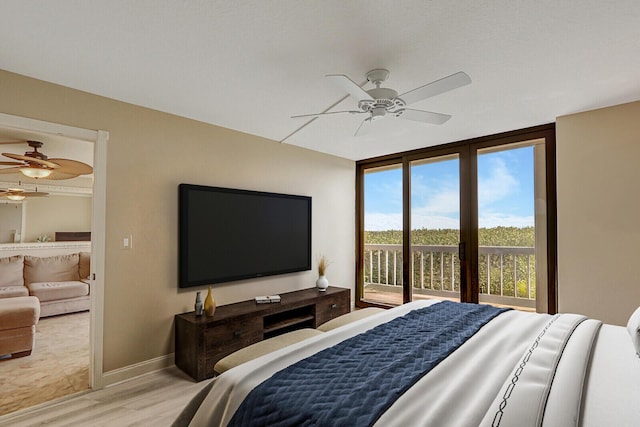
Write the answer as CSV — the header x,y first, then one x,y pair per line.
x,y
200,341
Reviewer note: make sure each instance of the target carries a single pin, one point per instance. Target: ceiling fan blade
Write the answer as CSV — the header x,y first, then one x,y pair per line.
x,y
423,116
349,86
28,159
57,176
437,87
364,127
35,194
325,113
72,167
11,141
9,170
308,122
12,163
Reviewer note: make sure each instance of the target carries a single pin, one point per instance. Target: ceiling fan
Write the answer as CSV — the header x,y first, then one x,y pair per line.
x,y
35,164
18,194
379,102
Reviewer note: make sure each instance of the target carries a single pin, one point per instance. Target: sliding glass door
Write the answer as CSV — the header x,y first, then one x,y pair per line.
x,y
472,221
382,251
512,225
435,227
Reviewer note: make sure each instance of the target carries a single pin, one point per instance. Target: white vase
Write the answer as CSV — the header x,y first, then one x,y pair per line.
x,y
322,283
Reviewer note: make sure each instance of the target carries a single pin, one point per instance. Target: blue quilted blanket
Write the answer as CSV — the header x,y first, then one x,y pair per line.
x,y
355,381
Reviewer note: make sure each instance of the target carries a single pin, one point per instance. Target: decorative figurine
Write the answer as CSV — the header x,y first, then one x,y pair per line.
x,y
199,305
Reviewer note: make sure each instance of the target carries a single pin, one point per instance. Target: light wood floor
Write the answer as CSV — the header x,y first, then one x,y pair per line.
x,y
154,399
57,373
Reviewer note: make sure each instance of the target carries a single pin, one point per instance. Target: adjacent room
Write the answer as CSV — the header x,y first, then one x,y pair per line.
x,y
45,247
195,195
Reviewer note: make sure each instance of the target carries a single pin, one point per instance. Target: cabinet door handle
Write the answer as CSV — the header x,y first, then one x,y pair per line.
x,y
236,333
334,305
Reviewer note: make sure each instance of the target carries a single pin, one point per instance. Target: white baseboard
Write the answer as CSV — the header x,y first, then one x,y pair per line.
x,y
138,369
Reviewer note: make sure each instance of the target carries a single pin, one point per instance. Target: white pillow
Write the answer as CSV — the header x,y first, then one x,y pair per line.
x,y
633,327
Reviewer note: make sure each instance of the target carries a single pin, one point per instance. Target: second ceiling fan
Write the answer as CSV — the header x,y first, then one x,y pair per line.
x,y
19,194
381,102
35,164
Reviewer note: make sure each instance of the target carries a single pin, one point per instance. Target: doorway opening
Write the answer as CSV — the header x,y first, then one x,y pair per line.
x,y
61,135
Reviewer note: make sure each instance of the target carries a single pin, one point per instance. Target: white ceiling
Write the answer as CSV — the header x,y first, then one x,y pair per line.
x,y
250,65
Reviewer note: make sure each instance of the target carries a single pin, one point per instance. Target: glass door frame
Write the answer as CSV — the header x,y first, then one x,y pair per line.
x,y
465,263
387,161
467,151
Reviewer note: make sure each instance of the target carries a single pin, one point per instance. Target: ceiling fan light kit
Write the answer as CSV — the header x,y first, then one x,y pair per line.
x,y
35,171
16,197
381,102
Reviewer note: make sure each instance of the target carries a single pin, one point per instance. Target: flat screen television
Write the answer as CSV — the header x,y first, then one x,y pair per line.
x,y
229,234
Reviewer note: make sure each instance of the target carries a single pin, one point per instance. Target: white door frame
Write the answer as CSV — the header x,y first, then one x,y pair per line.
x,y
99,138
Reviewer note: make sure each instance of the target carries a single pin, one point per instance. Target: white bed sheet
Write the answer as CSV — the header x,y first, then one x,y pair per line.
x,y
612,388
476,372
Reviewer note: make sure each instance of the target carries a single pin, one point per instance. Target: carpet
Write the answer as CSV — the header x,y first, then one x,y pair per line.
x,y
58,365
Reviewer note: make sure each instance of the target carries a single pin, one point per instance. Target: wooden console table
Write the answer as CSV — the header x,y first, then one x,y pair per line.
x,y
202,341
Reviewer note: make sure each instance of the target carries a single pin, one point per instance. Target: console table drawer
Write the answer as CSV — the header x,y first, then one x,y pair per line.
x,y
232,335
331,306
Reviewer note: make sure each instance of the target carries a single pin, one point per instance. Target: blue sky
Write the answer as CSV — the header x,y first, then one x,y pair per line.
x,y
505,193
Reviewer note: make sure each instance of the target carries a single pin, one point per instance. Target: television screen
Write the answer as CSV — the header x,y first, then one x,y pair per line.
x,y
228,234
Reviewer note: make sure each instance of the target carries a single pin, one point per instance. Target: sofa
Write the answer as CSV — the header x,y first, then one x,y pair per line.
x,y
61,283
18,319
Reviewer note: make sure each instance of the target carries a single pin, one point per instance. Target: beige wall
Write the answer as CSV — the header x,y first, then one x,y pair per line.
x,y
598,161
46,215
148,154
10,221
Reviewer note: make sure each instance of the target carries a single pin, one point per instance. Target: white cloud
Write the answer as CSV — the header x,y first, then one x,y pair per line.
x,y
382,222
443,202
500,220
431,222
497,185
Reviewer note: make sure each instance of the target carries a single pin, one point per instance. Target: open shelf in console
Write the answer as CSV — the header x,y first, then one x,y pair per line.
x,y
285,321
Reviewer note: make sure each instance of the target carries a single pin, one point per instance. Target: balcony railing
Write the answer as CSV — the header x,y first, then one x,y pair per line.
x,y
506,273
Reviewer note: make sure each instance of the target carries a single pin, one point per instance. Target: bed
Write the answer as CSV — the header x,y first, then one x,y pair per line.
x,y
514,369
